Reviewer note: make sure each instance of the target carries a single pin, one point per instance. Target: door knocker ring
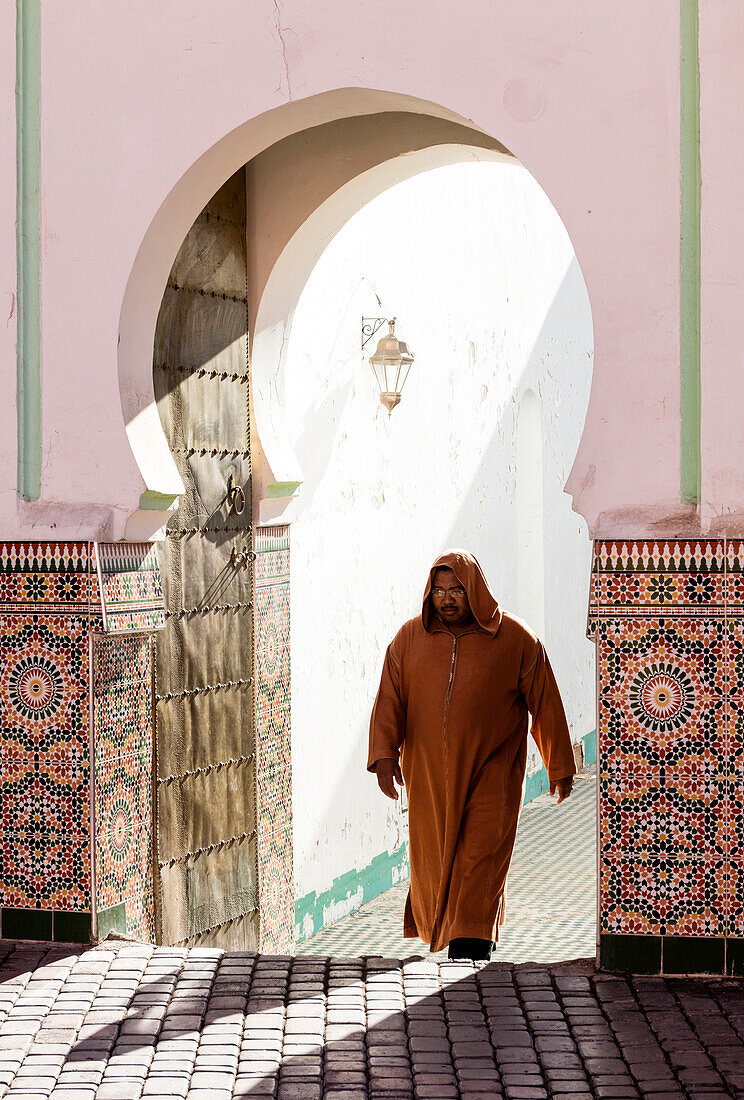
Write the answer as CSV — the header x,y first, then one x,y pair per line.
x,y
235,497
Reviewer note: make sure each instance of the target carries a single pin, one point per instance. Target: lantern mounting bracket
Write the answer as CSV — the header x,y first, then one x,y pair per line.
x,y
371,326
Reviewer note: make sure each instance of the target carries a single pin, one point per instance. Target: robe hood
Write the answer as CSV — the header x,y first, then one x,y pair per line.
x,y
483,605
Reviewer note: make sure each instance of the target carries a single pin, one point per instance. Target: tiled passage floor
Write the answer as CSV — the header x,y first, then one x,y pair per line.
x,y
551,908
137,1021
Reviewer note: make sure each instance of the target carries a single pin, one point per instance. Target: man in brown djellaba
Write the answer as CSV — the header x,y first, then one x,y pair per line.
x,y
459,683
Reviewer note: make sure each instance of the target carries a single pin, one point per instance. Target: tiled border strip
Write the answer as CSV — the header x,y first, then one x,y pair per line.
x,y
273,737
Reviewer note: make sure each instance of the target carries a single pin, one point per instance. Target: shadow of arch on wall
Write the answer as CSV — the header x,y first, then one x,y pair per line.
x,y
310,165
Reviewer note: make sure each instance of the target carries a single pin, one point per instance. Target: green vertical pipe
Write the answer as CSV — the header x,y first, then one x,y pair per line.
x,y
689,257
28,249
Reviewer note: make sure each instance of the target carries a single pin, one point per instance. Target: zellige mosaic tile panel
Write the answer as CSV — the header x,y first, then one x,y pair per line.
x,y
43,869
273,738
46,794
277,892
131,587
669,633
662,687
122,717
50,602
43,684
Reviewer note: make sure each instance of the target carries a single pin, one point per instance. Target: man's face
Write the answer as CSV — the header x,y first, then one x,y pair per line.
x,y
449,598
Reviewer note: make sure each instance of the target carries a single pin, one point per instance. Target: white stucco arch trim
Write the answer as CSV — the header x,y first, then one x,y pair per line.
x,y
167,230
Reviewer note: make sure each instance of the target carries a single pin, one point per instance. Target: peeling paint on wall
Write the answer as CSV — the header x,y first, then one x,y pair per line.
x,y
350,890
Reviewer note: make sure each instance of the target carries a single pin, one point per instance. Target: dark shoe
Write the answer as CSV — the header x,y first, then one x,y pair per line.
x,y
477,950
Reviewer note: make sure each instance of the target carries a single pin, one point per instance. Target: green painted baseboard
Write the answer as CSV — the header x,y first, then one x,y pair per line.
x,y
113,919
590,749
537,783
346,893
349,891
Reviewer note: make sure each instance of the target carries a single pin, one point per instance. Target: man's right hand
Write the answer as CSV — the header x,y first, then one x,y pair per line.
x,y
387,771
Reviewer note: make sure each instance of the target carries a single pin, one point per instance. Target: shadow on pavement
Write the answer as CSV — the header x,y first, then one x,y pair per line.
x,y
139,1021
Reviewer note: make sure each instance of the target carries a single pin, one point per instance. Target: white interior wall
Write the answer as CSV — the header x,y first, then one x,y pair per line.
x,y
530,515
479,270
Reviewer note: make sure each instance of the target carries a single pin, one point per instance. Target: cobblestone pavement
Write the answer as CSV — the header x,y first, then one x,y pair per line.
x,y
551,911
129,1021
125,1021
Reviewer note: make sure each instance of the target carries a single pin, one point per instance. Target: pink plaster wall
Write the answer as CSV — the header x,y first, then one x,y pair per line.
x,y
585,94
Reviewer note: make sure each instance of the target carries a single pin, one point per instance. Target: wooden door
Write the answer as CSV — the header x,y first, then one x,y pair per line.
x,y
206,845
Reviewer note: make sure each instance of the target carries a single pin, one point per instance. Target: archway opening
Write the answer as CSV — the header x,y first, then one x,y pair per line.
x,y
474,261
320,451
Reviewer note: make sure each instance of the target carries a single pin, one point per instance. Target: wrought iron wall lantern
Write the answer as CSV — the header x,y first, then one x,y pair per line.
x,y
391,362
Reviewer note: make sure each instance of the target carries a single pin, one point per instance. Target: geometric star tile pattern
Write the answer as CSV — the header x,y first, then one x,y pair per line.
x,y
131,589
273,738
667,620
44,684
46,610
50,607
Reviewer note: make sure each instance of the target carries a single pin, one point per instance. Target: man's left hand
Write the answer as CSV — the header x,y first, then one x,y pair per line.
x,y
563,787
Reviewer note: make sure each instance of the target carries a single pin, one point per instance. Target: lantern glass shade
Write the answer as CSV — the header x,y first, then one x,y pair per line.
x,y
391,364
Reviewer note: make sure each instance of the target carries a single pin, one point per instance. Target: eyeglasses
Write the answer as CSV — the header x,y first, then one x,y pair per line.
x,y
458,592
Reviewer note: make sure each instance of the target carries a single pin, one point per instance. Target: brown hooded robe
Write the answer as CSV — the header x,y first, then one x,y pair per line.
x,y
454,705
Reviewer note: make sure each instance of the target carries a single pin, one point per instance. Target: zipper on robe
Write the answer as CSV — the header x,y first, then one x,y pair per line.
x,y
453,669
447,698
